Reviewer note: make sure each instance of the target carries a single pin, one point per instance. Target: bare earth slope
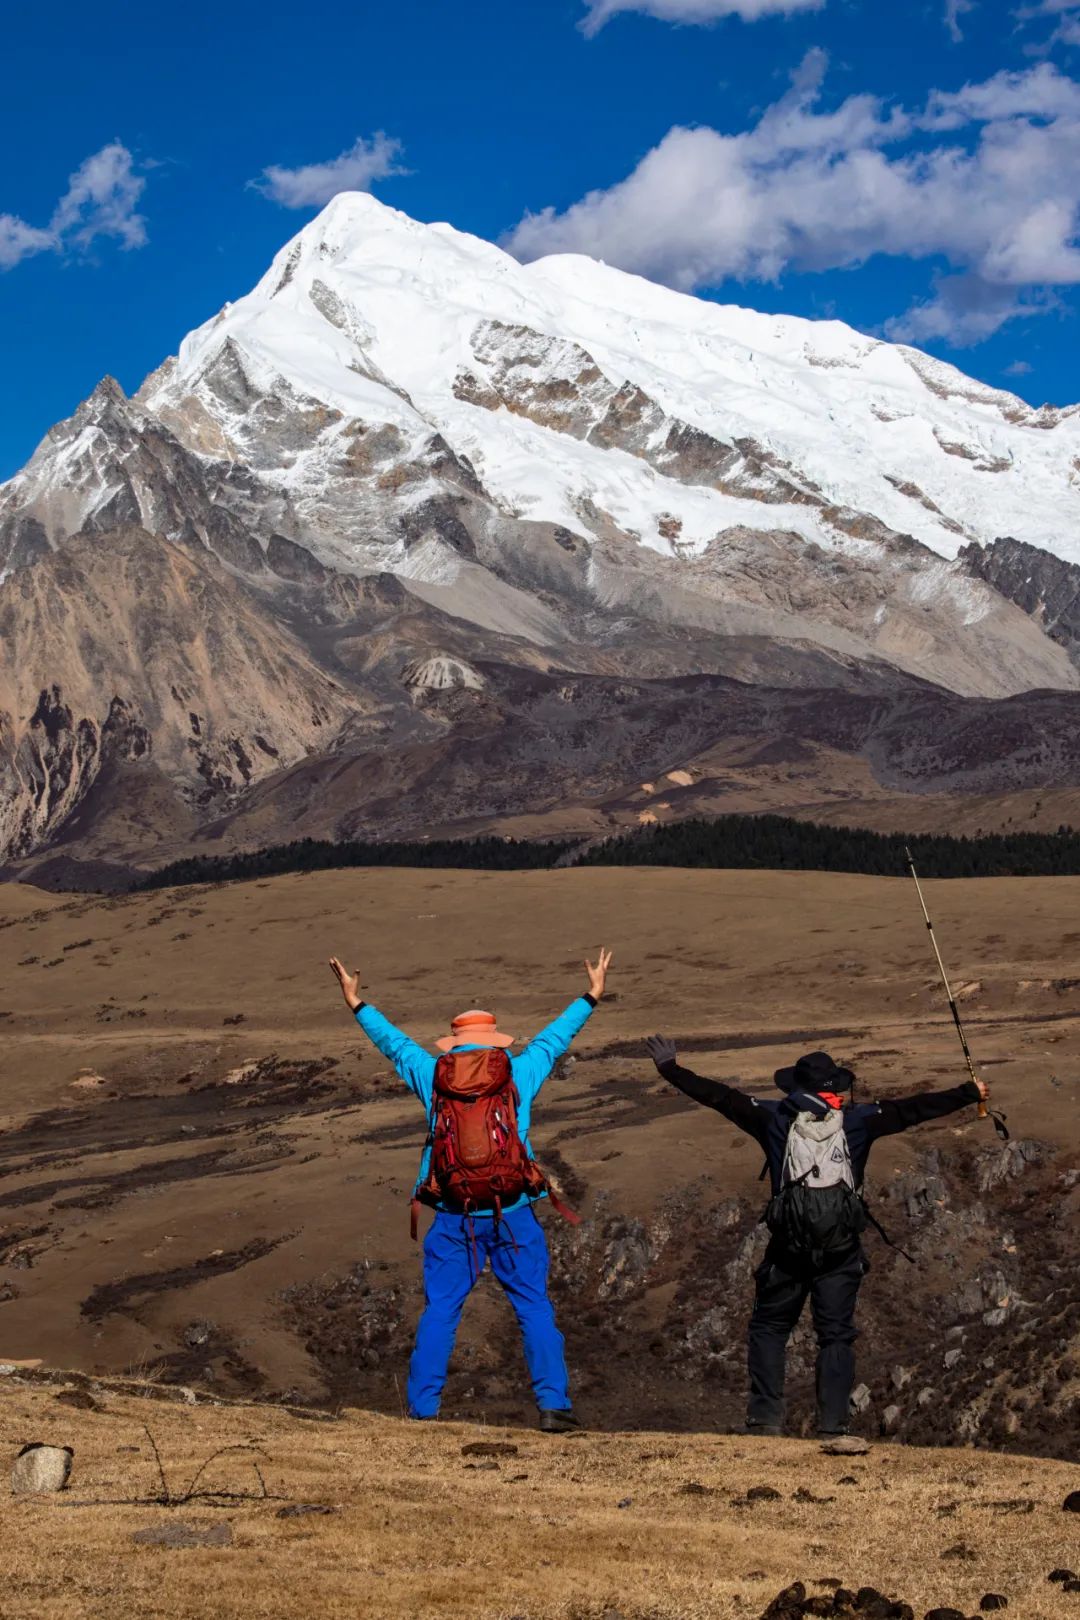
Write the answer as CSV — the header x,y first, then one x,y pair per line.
x,y
205,1168
601,1527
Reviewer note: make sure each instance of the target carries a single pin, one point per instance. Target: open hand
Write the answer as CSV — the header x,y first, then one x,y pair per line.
x,y
349,982
661,1049
598,973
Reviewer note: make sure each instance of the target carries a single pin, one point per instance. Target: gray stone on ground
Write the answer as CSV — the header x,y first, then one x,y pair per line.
x,y
846,1445
40,1468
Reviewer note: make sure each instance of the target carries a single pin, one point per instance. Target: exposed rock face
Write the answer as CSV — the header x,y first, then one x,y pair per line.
x,y
128,653
1045,586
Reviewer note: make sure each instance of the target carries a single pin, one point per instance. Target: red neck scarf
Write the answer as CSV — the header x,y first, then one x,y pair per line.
x,y
831,1097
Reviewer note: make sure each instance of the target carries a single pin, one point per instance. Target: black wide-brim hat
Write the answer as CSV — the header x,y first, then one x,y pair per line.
x,y
816,1071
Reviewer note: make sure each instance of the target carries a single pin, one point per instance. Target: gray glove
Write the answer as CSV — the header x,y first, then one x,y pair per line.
x,y
661,1049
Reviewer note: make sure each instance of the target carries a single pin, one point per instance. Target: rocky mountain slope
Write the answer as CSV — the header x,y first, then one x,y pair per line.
x,y
410,481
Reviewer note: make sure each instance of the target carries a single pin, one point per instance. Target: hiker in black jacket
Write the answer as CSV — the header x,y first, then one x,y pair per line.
x,y
827,1263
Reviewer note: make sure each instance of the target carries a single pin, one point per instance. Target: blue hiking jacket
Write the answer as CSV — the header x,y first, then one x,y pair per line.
x,y
530,1067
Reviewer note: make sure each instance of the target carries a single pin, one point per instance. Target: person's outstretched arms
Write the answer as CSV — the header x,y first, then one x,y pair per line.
x,y
745,1112
533,1065
415,1066
900,1114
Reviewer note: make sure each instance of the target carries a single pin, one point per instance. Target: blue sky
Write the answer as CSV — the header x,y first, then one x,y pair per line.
x,y
912,168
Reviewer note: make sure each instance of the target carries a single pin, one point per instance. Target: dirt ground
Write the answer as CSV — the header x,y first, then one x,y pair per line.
x,y
205,1167
597,1527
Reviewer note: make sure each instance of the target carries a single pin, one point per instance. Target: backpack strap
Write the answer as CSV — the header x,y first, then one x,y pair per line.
x,y
881,1232
562,1209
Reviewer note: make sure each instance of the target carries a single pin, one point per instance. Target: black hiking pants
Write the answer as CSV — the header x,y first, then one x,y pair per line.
x,y
783,1285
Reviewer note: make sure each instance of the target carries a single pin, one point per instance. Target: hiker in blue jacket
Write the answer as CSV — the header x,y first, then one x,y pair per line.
x,y
510,1235
815,1251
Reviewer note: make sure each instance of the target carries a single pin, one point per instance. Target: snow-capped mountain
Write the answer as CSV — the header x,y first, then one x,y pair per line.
x,y
407,453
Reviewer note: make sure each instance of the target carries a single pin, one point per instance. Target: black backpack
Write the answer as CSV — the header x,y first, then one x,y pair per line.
x,y
818,1211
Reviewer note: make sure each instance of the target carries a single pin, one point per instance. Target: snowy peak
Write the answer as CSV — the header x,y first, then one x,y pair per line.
x,y
388,321
523,444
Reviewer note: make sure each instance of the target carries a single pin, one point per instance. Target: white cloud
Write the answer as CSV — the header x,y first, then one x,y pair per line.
x,y
954,10
985,179
313,184
693,11
19,241
1019,368
101,200
1067,29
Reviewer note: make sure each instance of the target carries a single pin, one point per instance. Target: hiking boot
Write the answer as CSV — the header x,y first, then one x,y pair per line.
x,y
559,1420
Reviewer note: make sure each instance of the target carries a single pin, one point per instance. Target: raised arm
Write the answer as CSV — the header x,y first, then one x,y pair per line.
x,y
902,1113
533,1065
415,1066
745,1112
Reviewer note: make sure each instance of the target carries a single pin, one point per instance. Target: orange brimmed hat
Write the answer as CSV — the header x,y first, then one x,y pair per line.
x,y
474,1029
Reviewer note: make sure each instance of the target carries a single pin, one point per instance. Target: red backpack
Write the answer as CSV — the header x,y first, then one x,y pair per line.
x,y
478,1160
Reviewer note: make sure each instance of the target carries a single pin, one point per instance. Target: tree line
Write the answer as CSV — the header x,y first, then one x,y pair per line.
x,y
774,843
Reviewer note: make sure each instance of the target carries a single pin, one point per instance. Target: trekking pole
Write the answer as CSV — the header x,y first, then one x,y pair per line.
x,y
983,1111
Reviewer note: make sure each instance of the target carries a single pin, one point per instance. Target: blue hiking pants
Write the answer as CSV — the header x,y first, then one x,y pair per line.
x,y
518,1252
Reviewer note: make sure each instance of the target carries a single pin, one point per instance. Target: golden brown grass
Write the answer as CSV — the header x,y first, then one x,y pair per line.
x,y
564,1528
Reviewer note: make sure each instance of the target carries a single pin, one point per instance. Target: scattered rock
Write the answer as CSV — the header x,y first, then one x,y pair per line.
x,y
297,1510
80,1399
40,1468
693,1488
489,1448
959,1551
846,1445
1061,1575
1071,1503
198,1334
762,1493
890,1418
803,1495
860,1398
626,1502
945,1614
1071,1586
483,1467
993,1600
180,1534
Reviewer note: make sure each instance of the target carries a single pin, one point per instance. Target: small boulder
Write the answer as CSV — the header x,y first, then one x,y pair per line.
x,y
993,1600
762,1493
40,1468
846,1445
945,1614
1060,1576
80,1399
1071,1503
